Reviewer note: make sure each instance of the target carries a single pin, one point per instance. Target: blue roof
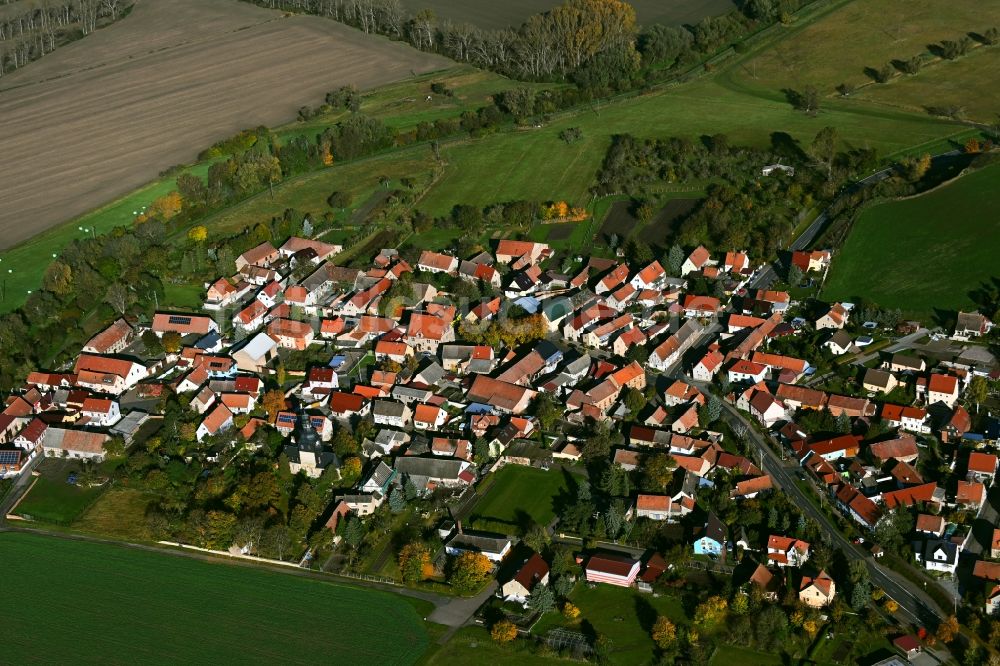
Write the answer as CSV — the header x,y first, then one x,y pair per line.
x,y
337,361
528,303
209,341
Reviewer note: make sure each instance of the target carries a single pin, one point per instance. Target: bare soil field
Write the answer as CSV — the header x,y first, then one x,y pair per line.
x,y
104,115
491,14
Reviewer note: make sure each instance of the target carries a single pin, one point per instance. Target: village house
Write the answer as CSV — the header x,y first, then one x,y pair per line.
x,y
879,381
671,350
705,369
811,261
291,334
534,572
817,592
695,261
912,419
942,388
216,422
971,325
100,412
840,343
256,353
982,467
183,324
112,340
263,256
785,551
494,547
105,374
904,363
836,317
939,555
712,541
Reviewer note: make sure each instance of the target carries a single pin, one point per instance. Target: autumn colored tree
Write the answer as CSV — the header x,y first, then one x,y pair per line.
x,y
413,560
504,631
810,627
570,611
891,606
273,402
351,469
711,611
187,431
171,342
973,145
470,572
664,632
58,278
163,208
658,470
198,234
948,630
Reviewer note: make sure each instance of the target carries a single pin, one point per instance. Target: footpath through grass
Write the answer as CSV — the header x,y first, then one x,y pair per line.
x,y
926,253
83,602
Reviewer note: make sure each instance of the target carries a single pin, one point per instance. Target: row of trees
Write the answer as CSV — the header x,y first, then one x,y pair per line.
x,y
594,43
36,29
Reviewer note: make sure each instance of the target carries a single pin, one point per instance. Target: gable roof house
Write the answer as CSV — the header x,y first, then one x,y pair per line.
x,y
501,396
435,262
912,419
216,422
534,572
650,277
786,551
112,340
817,592
982,467
695,261
713,540
429,473
671,350
879,381
840,343
613,569
971,325
105,374
942,388
836,317
184,324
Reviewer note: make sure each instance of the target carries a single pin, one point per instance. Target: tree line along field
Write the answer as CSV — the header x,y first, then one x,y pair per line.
x,y
153,89
929,251
488,15
84,602
871,34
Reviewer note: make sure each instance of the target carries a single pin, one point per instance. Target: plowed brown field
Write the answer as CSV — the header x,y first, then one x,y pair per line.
x,y
106,114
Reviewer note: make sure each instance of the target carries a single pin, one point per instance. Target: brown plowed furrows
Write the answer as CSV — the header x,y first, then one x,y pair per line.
x,y
101,116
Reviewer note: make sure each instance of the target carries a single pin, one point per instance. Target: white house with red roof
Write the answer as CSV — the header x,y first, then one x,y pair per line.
x,y
650,277
705,369
216,422
100,412
112,340
942,388
696,261
104,374
436,262
785,551
982,467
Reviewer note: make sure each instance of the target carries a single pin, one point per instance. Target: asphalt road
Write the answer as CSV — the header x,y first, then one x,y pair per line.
x,y
913,603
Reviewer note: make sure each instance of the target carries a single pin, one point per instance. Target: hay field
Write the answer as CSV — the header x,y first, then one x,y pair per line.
x,y
491,14
104,115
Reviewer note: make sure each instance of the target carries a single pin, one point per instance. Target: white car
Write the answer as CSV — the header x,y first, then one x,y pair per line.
x,y
864,341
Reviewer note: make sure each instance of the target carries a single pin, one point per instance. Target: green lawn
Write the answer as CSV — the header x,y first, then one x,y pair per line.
x,y
53,500
519,495
473,646
624,615
83,602
924,253
120,512
534,164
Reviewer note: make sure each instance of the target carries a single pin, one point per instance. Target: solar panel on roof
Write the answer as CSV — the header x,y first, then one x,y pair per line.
x,y
9,457
182,321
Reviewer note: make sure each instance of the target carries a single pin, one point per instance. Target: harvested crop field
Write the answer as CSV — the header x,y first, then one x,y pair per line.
x,y
486,14
106,114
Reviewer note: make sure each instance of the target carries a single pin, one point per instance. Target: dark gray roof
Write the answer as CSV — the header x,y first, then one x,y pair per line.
x,y
388,408
436,468
479,542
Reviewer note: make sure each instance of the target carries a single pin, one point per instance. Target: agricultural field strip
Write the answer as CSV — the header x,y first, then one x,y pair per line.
x,y
61,160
